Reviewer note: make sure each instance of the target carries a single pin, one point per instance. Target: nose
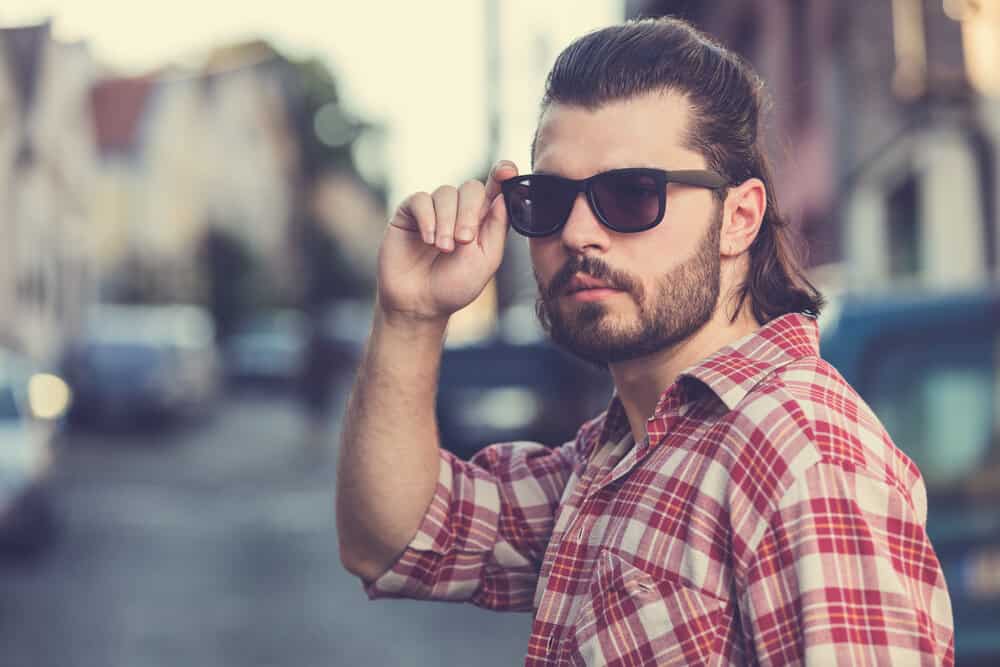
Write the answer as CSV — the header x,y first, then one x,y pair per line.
x,y
583,231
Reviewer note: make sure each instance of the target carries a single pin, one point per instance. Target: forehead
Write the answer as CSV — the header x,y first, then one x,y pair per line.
x,y
645,131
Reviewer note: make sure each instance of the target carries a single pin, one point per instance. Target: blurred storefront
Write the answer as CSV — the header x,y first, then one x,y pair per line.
x,y
47,165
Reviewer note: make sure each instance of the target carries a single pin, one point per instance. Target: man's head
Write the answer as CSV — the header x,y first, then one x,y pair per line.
x,y
659,94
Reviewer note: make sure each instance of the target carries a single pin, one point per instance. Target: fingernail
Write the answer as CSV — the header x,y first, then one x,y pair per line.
x,y
463,235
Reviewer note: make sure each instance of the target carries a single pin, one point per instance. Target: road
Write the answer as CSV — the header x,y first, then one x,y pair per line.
x,y
215,545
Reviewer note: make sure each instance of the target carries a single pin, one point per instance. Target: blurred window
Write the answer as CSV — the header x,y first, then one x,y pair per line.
x,y
937,398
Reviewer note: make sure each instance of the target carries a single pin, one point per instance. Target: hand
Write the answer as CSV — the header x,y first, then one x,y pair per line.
x,y
440,250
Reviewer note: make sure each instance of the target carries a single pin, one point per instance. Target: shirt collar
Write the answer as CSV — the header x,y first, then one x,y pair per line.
x,y
731,372
615,422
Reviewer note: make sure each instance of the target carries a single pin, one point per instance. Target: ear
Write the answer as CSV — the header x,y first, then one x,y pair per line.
x,y
743,213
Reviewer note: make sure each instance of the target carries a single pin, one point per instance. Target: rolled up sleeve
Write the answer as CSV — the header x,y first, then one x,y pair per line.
x,y
486,529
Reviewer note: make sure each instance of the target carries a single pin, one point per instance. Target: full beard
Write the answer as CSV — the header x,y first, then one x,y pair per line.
x,y
684,301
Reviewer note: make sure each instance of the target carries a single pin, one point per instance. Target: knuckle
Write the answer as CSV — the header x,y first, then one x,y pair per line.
x,y
472,185
417,200
419,208
473,193
445,192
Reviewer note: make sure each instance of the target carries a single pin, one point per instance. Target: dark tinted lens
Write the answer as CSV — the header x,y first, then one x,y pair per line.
x,y
538,205
629,200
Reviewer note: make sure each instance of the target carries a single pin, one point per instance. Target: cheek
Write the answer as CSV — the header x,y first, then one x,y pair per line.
x,y
674,243
651,263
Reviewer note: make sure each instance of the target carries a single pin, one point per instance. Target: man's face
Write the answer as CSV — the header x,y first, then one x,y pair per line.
x,y
665,281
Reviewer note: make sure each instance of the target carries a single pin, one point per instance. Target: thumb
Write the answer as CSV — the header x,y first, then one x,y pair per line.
x,y
501,172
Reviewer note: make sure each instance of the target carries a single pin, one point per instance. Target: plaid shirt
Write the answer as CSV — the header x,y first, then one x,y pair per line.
x,y
766,519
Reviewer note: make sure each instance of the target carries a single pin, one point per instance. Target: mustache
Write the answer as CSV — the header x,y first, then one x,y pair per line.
x,y
595,268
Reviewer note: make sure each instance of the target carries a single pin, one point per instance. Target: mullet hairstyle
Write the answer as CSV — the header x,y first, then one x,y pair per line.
x,y
645,56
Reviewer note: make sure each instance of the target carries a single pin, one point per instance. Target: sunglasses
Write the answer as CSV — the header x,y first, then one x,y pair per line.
x,y
624,200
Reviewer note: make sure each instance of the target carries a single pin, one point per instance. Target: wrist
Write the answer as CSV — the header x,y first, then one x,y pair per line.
x,y
407,344
409,325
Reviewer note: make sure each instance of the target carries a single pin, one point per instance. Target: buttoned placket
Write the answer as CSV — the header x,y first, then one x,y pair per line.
x,y
582,518
593,469
602,475
673,408
613,454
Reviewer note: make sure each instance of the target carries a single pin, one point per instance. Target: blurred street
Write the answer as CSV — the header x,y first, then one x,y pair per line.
x,y
214,545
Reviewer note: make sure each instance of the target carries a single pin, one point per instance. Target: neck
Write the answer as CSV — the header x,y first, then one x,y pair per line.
x,y
641,382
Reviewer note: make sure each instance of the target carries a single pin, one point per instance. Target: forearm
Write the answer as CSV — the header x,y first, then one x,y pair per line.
x,y
389,458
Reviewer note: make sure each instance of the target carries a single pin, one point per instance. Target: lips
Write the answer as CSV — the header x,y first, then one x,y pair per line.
x,y
582,282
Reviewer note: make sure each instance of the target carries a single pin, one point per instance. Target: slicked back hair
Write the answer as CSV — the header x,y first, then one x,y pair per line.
x,y
728,99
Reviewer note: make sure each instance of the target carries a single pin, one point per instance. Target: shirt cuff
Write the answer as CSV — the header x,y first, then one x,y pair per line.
x,y
416,564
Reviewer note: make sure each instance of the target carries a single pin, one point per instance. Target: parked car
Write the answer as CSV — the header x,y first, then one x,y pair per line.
x,y
929,366
346,325
136,364
267,352
515,386
31,405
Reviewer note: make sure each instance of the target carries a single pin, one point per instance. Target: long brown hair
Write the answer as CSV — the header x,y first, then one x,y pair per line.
x,y
728,99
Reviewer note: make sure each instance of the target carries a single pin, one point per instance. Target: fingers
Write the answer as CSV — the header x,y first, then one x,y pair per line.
x,y
501,171
470,204
445,212
450,215
416,213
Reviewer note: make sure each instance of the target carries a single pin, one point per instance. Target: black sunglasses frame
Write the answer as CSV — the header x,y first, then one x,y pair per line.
x,y
700,178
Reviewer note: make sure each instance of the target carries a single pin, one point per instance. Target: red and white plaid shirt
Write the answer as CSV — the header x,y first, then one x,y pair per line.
x,y
767,519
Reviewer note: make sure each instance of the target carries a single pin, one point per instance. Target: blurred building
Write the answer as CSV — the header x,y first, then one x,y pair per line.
x,y
47,164
182,151
110,186
353,212
119,106
221,147
251,151
885,127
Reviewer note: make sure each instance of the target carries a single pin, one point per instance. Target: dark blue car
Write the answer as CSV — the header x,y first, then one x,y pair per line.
x,y
499,391
929,366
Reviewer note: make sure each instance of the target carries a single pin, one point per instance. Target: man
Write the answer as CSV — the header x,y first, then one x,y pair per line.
x,y
737,502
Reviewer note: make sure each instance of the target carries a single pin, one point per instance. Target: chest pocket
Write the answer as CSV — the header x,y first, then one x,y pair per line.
x,y
629,615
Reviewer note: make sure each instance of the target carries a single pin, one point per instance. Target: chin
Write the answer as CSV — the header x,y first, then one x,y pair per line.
x,y
584,313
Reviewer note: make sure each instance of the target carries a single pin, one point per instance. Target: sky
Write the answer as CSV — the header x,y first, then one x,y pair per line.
x,y
417,67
